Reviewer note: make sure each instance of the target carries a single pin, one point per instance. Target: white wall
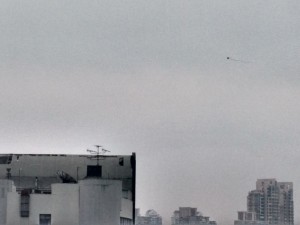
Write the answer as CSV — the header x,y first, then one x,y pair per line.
x,y
100,200
86,203
126,208
62,204
5,186
13,213
39,204
65,208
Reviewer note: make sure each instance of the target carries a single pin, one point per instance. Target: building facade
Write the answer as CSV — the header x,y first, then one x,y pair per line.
x,y
271,202
190,216
150,218
67,189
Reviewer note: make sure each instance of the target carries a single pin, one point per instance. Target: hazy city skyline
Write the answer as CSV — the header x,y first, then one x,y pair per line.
x,y
152,77
271,202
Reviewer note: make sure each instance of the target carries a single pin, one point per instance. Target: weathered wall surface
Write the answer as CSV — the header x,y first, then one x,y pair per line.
x,y
5,187
100,200
65,208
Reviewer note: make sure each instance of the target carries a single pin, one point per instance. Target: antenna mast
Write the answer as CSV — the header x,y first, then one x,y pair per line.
x,y
96,154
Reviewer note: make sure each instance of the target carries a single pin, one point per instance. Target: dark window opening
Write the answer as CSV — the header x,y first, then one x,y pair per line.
x,y
8,174
45,219
5,159
94,171
24,204
121,161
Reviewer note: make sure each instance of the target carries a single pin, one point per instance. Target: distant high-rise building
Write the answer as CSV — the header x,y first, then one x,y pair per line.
x,y
190,216
271,202
151,218
256,204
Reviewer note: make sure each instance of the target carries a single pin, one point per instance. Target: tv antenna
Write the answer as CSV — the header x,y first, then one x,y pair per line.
x,y
97,154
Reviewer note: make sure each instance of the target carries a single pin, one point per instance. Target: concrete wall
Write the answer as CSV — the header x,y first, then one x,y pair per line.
x,y
62,204
13,213
100,200
48,165
86,203
5,187
126,208
65,208
39,204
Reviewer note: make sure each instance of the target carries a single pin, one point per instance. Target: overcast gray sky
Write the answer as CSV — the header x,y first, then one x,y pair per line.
x,y
152,77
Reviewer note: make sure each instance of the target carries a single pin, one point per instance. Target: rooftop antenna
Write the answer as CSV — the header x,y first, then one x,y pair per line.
x,y
97,154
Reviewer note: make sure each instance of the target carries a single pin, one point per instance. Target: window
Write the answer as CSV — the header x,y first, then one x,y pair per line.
x,y
5,159
94,171
45,219
121,161
24,204
240,216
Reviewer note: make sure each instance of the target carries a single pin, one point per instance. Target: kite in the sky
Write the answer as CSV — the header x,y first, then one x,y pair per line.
x,y
237,60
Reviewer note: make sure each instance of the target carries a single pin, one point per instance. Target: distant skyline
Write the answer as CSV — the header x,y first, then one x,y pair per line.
x,y
271,202
152,77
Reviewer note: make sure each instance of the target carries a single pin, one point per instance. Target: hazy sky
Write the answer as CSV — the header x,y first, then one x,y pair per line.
x,y
152,77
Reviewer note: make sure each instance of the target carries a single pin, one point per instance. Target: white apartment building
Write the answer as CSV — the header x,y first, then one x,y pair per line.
x,y
67,190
